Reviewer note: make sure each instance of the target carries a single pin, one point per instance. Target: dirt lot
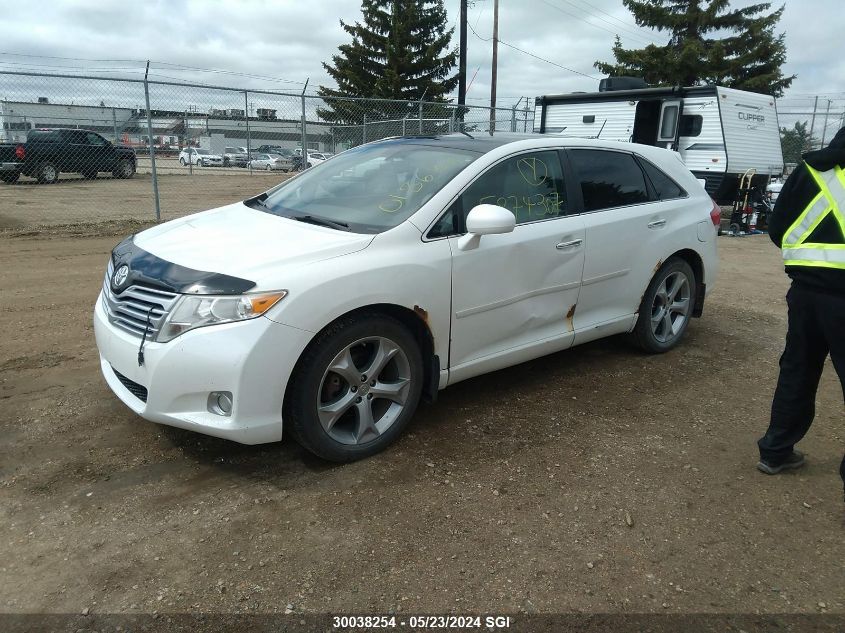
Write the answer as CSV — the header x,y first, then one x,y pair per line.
x,y
74,200
593,480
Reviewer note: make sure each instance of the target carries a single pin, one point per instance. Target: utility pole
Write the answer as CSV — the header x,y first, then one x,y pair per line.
x,y
462,56
495,63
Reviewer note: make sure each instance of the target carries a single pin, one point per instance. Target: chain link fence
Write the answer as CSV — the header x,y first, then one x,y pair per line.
x,y
132,149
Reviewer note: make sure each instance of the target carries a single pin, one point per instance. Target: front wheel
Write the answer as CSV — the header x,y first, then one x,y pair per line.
x,y
47,173
201,163
124,169
355,388
267,168
666,307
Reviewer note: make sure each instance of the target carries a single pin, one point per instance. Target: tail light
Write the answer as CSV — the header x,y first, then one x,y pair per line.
x,y
20,152
716,215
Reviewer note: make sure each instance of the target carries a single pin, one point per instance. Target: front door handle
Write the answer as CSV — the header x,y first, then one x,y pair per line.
x,y
570,244
657,224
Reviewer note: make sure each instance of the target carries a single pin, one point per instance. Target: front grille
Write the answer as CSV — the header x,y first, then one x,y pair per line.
x,y
139,391
130,309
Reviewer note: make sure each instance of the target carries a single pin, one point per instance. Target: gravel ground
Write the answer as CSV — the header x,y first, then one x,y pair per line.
x,y
593,480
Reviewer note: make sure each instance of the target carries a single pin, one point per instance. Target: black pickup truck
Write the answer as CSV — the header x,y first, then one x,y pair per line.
x,y
48,152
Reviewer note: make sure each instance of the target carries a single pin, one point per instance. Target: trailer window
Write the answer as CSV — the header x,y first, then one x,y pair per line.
x,y
691,124
609,179
664,187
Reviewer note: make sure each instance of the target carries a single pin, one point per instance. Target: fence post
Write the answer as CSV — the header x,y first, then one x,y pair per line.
x,y
114,124
304,165
364,130
188,145
813,120
421,113
150,143
248,146
452,121
513,119
525,127
826,115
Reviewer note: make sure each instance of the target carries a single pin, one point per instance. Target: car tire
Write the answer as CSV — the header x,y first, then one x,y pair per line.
x,y
47,173
666,307
89,174
267,168
10,177
225,162
324,408
182,162
124,169
201,163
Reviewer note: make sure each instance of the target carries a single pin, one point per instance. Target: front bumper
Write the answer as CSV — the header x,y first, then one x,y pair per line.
x,y
252,359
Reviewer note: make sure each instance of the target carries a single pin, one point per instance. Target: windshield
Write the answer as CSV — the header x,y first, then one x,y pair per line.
x,y
368,189
204,152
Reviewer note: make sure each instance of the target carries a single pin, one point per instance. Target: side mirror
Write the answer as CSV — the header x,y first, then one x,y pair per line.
x,y
486,219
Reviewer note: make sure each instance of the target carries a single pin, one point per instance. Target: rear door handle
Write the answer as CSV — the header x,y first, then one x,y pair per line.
x,y
570,244
657,224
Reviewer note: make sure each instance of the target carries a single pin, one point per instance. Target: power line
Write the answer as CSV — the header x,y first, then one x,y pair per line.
x,y
581,18
628,25
542,59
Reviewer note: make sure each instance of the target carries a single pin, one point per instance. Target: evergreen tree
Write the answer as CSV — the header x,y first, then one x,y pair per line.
x,y
709,43
400,50
796,142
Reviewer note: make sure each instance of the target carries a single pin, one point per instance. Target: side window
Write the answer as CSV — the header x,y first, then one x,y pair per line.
x,y
94,139
664,186
529,185
75,137
691,124
608,179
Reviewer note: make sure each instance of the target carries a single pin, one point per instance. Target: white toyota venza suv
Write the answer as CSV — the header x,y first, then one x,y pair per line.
x,y
327,307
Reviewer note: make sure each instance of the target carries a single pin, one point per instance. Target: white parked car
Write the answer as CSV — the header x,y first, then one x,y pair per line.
x,y
327,307
235,157
315,158
270,162
201,157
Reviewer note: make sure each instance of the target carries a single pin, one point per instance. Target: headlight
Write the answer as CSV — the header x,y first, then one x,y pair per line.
x,y
193,311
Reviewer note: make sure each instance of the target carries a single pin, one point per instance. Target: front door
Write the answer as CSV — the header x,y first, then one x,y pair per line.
x,y
515,295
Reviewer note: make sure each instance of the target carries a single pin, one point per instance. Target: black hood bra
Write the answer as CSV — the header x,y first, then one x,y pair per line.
x,y
150,270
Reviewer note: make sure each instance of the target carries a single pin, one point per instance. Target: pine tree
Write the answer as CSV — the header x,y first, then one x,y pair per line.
x,y
796,142
400,50
709,43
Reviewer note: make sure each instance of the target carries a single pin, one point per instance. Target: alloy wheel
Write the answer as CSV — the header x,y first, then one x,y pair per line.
x,y
364,390
671,307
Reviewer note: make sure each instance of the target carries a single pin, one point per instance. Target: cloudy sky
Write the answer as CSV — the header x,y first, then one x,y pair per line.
x,y
280,43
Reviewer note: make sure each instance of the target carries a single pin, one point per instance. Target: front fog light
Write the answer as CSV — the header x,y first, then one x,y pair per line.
x,y
220,402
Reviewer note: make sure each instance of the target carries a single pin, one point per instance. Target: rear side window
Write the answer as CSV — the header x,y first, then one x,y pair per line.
x,y
608,179
44,136
664,187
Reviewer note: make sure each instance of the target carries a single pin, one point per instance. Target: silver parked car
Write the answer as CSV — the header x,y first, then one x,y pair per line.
x,y
269,162
235,157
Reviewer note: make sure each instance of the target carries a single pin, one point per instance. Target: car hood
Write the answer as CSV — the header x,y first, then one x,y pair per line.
x,y
242,242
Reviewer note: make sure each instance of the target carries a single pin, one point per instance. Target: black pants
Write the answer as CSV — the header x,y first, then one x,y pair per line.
x,y
816,328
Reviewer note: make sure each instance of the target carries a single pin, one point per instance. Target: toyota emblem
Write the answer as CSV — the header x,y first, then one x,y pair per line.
x,y
120,275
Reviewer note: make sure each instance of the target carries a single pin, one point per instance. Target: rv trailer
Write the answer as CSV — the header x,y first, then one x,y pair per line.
x,y
720,133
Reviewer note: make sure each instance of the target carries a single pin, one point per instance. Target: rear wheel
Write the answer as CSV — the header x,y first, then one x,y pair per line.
x,y
267,168
47,173
666,307
10,177
355,388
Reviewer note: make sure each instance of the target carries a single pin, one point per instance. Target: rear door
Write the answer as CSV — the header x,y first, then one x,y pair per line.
x,y
624,229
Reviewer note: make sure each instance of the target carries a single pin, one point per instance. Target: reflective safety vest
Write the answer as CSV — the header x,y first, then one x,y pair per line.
x,y
797,250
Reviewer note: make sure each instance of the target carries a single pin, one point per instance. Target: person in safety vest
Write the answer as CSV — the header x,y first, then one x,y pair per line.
x,y
808,224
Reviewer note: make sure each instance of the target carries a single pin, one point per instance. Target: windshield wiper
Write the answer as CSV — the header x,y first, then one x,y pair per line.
x,y
312,219
258,200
